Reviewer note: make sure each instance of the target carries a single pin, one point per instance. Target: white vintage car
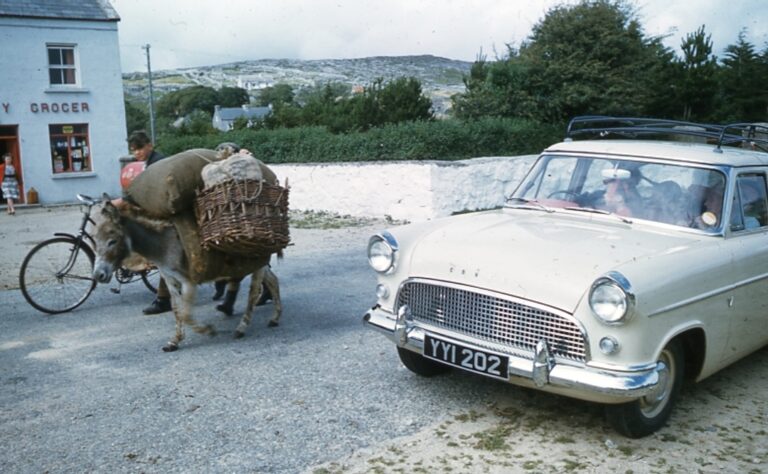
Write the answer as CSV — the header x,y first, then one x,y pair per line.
x,y
617,269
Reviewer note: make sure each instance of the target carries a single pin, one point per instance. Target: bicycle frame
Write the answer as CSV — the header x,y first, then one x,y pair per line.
x,y
82,234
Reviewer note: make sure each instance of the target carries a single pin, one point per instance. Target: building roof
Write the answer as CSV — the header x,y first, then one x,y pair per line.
x,y
232,113
93,10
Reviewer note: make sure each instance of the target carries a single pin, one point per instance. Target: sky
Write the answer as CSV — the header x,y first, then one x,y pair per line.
x,y
183,33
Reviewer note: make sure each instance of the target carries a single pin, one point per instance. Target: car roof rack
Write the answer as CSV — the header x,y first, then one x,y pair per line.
x,y
601,126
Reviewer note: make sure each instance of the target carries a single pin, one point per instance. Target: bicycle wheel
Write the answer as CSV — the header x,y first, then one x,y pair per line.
x,y
56,275
151,279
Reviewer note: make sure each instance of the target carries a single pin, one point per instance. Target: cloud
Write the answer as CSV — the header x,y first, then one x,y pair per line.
x,y
206,32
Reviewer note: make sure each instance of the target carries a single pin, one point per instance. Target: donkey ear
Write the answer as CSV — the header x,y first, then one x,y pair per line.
x,y
108,209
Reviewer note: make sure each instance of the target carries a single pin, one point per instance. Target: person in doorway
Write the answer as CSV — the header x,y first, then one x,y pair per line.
x,y
10,184
141,147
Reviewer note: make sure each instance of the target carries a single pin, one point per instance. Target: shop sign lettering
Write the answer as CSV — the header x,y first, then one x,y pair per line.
x,y
6,106
56,107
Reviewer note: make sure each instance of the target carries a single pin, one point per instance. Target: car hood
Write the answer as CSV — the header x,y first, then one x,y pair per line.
x,y
551,258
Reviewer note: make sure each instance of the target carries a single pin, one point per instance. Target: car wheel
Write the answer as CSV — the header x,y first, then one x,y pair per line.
x,y
649,413
420,365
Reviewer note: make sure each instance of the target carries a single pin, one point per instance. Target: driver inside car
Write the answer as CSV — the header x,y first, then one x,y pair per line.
x,y
621,196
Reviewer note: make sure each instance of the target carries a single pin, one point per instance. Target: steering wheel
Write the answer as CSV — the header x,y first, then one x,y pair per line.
x,y
565,193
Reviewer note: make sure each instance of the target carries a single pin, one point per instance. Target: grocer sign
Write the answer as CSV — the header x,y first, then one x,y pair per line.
x,y
57,107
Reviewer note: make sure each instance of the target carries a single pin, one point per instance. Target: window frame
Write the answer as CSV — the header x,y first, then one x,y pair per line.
x,y
63,68
738,217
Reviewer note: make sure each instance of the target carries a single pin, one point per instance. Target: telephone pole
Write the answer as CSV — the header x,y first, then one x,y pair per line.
x,y
151,97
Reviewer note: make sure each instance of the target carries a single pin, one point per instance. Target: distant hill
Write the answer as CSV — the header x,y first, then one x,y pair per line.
x,y
440,77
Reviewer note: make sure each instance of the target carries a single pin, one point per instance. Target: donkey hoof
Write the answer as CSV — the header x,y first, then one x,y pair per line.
x,y
239,334
170,347
272,324
226,309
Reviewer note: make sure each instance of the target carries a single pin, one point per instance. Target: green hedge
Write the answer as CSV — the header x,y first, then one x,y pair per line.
x,y
436,140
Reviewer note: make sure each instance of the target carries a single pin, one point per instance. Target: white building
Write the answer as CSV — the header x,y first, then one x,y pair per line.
x,y
224,117
62,115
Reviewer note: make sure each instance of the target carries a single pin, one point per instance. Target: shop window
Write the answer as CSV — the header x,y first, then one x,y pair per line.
x,y
61,65
70,148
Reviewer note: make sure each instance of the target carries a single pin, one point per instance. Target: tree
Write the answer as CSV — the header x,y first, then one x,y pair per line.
x,y
136,117
743,88
233,97
402,100
495,89
277,94
332,106
698,85
197,122
182,102
587,58
662,98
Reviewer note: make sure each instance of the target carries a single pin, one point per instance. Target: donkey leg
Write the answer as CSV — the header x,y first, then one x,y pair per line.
x,y
182,297
188,293
253,296
228,305
174,288
273,284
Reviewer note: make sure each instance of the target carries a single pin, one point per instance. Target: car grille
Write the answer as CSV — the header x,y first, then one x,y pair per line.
x,y
492,319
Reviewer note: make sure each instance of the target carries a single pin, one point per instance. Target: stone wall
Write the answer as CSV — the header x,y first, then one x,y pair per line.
x,y
404,190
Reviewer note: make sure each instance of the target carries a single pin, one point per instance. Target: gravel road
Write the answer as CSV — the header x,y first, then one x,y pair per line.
x,y
91,391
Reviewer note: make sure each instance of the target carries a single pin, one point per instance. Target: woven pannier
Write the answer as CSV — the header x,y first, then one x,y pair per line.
x,y
243,217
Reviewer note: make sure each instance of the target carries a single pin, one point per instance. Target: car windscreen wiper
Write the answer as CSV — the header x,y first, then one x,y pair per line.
x,y
592,210
522,203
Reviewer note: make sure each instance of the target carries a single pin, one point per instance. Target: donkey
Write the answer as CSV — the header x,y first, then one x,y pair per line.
x,y
120,232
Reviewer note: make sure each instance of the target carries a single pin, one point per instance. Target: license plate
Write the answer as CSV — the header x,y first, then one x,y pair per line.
x,y
467,358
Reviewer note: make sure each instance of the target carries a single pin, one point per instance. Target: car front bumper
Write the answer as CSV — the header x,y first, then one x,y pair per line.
x,y
540,371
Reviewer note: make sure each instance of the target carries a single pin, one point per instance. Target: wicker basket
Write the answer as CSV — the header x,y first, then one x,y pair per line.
x,y
243,217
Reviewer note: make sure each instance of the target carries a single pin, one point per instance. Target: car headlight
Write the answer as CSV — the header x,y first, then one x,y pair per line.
x,y
611,299
381,252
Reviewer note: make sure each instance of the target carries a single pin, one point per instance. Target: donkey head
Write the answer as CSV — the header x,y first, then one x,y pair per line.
x,y
112,242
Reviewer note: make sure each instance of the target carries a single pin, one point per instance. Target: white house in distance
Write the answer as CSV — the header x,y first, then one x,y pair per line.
x,y
224,117
62,115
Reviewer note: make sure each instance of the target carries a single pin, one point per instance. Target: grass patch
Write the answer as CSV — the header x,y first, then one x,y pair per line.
x,y
494,439
332,220
471,416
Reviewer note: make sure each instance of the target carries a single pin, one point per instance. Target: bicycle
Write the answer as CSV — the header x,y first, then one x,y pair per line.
x,y
56,275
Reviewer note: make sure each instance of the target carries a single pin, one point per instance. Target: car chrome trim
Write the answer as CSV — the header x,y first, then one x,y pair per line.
x,y
543,363
626,287
620,384
390,240
497,319
708,294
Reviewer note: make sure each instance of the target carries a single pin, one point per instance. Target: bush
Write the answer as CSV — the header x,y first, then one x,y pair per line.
x,y
434,140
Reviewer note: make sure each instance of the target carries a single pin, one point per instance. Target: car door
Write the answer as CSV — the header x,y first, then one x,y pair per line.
x,y
749,241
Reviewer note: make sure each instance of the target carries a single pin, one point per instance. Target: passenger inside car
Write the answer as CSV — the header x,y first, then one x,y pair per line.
x,y
711,205
667,204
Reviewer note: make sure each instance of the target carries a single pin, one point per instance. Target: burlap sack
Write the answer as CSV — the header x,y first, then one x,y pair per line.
x,y
237,167
208,265
168,186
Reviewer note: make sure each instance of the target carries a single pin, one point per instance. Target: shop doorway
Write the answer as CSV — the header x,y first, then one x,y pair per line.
x,y
9,143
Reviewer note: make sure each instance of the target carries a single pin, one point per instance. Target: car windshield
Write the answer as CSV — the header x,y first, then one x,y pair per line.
x,y
684,196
